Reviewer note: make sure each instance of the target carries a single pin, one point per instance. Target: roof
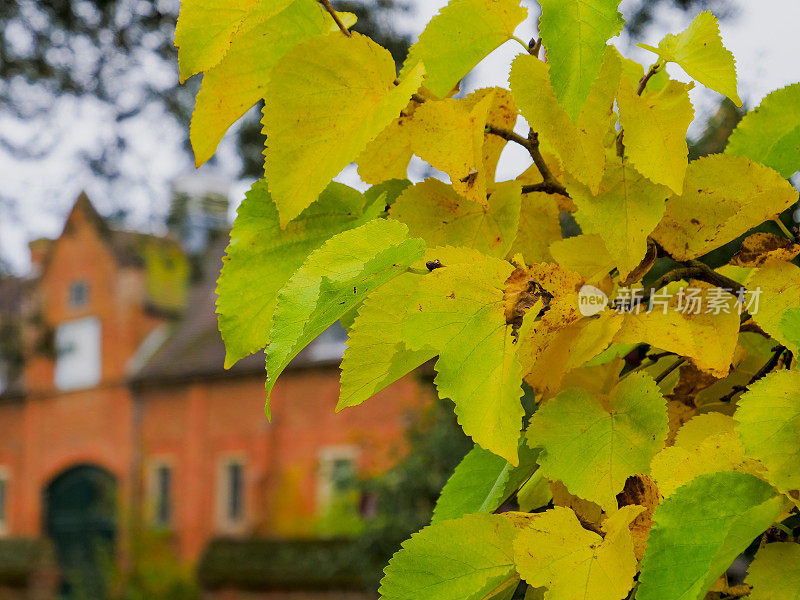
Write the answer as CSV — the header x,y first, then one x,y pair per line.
x,y
194,347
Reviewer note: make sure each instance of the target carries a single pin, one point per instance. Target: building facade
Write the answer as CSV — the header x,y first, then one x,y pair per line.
x,y
120,412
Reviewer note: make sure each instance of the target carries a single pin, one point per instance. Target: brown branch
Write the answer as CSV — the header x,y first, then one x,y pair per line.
x,y
762,372
329,8
550,184
644,80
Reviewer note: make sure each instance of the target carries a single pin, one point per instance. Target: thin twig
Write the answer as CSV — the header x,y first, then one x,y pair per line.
x,y
535,47
784,229
670,369
644,80
550,184
329,8
762,372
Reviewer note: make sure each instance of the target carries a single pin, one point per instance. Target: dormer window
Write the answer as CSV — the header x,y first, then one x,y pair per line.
x,y
78,294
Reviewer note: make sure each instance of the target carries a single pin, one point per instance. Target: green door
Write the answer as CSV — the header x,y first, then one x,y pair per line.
x,y
80,518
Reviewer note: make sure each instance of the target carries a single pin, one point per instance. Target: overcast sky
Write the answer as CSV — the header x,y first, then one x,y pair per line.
x,y
763,36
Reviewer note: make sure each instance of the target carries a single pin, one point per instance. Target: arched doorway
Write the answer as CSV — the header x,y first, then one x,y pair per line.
x,y
80,514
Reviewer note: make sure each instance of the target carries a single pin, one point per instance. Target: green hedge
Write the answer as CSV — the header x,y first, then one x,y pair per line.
x,y
267,564
20,557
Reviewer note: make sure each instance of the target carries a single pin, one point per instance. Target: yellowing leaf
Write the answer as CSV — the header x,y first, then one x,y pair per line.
x,y
706,444
573,563
459,37
775,572
449,135
584,254
455,559
206,27
575,33
777,288
723,197
460,311
768,422
625,210
230,88
693,541
539,227
329,96
770,134
760,249
387,156
261,258
376,355
435,212
700,52
604,444
708,339
581,151
655,127
333,279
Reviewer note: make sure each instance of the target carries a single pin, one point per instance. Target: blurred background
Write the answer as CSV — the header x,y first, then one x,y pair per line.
x,y
131,464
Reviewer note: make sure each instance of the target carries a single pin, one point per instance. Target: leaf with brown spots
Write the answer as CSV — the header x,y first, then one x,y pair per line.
x,y
760,249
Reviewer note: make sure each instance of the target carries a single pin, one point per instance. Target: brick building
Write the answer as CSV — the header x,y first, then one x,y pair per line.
x,y
118,406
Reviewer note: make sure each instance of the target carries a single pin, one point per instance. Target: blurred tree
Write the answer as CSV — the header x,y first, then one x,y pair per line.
x,y
121,53
644,12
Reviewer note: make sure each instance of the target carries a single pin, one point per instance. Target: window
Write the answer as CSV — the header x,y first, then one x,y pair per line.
x,y
78,359
78,294
161,485
231,494
337,475
3,501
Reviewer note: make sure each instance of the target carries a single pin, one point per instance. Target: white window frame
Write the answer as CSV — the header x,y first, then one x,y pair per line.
x,y
328,455
4,479
225,523
155,464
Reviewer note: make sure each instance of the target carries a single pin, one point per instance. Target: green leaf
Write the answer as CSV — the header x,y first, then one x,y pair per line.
x,y
775,573
261,257
460,311
459,37
655,127
775,290
233,86
593,449
700,530
333,279
790,326
700,52
573,563
770,134
328,97
376,354
436,213
575,33
724,197
768,422
624,211
481,482
457,559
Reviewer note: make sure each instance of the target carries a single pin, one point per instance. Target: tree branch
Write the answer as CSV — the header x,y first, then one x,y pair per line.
x,y
762,372
550,184
329,8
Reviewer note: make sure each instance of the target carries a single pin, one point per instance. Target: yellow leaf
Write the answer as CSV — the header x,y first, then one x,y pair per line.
x,y
708,443
539,227
556,552
700,52
775,572
435,212
230,88
723,197
581,152
624,211
585,255
777,287
449,135
205,29
655,127
708,340
502,114
387,156
329,96
760,249
459,37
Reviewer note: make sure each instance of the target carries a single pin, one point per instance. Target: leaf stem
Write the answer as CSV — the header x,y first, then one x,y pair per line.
x,y
654,68
329,8
762,372
784,229
670,369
